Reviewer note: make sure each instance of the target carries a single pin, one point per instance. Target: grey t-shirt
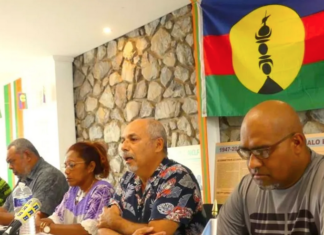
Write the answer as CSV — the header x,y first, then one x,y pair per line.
x,y
48,185
296,210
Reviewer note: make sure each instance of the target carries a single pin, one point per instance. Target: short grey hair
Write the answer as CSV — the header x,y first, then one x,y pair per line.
x,y
22,144
157,130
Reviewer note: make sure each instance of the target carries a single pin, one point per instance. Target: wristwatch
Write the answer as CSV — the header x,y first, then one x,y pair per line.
x,y
47,229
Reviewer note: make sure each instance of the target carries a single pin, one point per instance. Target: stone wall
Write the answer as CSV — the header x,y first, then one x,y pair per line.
x,y
148,73
313,122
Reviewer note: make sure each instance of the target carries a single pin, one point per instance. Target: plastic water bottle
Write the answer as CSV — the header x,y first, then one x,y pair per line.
x,y
21,195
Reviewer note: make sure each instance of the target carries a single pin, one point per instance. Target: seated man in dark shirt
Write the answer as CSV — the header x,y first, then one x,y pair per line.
x,y
4,191
47,183
156,192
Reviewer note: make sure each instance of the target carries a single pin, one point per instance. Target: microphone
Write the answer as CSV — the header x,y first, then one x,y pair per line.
x,y
23,215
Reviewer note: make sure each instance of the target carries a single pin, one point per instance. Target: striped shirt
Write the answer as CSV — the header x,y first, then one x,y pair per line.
x,y
295,210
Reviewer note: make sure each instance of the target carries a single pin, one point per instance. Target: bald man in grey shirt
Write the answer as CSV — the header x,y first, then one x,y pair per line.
x,y
47,183
299,209
284,192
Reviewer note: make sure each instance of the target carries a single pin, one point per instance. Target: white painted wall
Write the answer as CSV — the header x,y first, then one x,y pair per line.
x,y
65,105
40,120
49,126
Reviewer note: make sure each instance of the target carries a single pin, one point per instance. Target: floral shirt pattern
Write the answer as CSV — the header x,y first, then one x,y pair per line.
x,y
171,193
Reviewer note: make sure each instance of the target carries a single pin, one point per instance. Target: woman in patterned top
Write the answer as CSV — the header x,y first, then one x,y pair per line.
x,y
81,205
4,191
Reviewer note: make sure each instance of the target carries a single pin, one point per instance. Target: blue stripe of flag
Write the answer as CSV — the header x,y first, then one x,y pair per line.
x,y
220,15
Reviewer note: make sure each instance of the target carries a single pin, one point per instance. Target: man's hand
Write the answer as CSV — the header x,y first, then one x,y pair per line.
x,y
108,217
147,230
3,210
37,221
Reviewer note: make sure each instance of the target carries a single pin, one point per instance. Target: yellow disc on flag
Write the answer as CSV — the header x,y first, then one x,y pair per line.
x,y
22,97
268,48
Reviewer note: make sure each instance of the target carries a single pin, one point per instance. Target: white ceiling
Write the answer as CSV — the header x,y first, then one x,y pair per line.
x,y
32,28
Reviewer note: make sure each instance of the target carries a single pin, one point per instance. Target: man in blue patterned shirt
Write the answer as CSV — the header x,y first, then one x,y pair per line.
x,y
156,192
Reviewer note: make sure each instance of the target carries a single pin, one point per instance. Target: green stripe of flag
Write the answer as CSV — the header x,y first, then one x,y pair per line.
x,y
305,93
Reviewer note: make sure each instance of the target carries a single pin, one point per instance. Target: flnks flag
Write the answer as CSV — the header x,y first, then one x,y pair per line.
x,y
257,50
22,100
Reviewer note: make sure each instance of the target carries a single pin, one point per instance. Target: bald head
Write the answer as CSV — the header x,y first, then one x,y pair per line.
x,y
275,117
272,134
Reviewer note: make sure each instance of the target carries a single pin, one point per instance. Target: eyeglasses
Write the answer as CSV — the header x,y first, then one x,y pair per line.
x,y
263,152
71,165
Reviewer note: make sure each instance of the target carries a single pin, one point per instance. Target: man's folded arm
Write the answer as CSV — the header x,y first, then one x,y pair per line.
x,y
126,227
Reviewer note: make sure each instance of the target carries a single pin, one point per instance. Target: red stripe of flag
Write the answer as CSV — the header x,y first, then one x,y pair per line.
x,y
218,51
218,55
314,38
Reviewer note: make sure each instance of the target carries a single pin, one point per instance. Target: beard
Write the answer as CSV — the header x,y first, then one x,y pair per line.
x,y
266,187
261,184
132,168
269,187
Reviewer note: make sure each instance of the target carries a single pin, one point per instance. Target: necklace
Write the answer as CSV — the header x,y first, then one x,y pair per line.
x,y
81,194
